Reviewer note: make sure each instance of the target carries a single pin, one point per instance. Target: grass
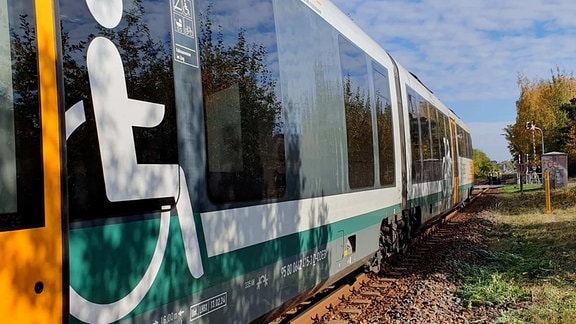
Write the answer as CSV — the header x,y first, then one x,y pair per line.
x,y
529,269
516,188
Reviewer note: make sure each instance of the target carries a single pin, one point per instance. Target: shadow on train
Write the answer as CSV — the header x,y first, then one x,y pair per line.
x,y
115,246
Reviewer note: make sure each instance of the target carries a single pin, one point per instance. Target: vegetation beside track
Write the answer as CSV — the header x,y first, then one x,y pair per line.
x,y
528,271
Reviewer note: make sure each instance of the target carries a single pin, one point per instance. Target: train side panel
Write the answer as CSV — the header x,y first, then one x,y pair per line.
x,y
211,165
224,157
32,283
432,151
466,162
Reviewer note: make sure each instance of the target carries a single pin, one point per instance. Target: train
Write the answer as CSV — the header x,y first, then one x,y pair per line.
x,y
206,161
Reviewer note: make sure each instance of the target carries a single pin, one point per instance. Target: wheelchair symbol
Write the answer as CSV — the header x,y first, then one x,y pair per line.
x,y
124,178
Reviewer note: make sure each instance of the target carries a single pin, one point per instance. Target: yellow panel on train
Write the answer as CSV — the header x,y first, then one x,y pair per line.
x,y
31,252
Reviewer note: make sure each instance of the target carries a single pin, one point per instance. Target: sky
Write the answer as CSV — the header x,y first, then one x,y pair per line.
x,y
470,53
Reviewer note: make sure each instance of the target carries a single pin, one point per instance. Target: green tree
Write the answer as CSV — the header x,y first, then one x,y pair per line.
x,y
482,164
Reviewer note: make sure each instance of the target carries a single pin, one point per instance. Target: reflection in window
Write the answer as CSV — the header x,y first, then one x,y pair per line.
x,y
413,115
442,132
464,143
245,141
384,124
470,154
427,131
460,137
143,41
432,111
433,166
358,116
21,182
7,134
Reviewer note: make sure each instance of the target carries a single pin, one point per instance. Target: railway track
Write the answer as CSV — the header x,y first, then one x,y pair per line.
x,y
389,295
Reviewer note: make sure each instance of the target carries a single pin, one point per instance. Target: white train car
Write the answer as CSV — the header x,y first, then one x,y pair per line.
x,y
206,161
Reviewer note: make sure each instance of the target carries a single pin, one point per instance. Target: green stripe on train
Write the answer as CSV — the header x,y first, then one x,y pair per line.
x,y
107,262
437,197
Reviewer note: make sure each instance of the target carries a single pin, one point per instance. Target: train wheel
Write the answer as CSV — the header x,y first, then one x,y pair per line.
x,y
404,232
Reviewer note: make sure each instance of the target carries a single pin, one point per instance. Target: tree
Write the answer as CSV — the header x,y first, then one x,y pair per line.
x,y
541,103
568,132
482,164
513,145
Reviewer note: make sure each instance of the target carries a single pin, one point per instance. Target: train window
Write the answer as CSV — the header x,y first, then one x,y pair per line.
x,y
448,143
468,145
425,130
358,115
470,150
413,112
7,134
432,113
384,124
436,144
21,184
461,142
464,143
441,136
429,161
244,129
137,54
441,133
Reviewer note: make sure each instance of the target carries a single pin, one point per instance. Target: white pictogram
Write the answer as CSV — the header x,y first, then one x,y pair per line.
x,y
108,13
115,116
124,178
262,282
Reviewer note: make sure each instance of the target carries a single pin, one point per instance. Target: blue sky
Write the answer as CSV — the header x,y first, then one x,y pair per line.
x,y
470,53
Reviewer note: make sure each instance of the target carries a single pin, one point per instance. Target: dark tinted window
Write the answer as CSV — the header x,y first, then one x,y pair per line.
x,y
143,41
433,118
245,138
428,128
470,150
434,164
384,124
414,121
21,184
464,143
425,133
442,133
358,115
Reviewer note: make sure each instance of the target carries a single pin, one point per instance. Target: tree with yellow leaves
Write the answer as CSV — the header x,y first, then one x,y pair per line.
x,y
543,103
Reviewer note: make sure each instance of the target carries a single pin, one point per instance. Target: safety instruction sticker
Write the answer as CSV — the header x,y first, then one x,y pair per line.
x,y
184,37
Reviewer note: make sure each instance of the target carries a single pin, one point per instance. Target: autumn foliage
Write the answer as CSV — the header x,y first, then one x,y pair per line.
x,y
550,105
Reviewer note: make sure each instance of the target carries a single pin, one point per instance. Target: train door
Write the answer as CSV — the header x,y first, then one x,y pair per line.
x,y
454,151
31,226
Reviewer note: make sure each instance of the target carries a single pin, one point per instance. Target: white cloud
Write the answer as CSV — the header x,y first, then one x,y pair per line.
x,y
468,50
489,138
